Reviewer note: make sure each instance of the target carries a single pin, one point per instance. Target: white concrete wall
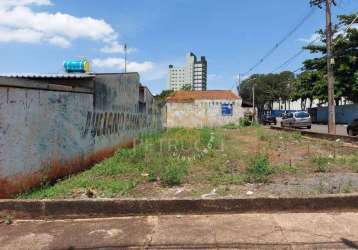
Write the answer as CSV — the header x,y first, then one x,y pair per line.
x,y
293,105
201,113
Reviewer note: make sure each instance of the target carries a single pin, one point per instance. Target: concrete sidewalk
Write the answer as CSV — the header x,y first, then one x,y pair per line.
x,y
224,231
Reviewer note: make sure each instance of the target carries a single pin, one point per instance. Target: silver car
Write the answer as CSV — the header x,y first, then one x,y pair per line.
x,y
300,119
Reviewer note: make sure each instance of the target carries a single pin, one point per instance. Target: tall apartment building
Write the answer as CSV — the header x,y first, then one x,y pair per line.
x,y
193,73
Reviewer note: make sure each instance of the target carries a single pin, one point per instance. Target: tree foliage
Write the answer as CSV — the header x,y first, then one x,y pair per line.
x,y
311,83
313,79
268,88
162,97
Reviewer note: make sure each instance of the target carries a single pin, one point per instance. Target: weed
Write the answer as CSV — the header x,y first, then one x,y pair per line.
x,y
347,187
296,136
256,124
322,163
351,160
284,136
321,187
206,136
197,156
285,168
173,173
245,122
263,135
8,220
231,126
259,169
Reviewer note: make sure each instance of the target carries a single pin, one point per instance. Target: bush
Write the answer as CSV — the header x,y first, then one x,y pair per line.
x,y
259,169
245,121
173,173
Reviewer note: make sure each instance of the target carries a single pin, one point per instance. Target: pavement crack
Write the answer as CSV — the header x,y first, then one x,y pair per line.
x,y
154,221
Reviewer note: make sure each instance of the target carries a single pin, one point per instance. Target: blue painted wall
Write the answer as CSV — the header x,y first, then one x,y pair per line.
x,y
344,114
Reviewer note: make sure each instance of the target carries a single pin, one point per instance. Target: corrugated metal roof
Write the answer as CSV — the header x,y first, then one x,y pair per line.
x,y
188,96
48,76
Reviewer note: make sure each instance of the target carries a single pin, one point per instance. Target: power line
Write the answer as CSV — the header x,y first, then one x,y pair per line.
x,y
311,43
290,59
294,56
304,19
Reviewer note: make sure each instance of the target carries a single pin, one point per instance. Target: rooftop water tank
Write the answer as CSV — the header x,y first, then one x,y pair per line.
x,y
76,66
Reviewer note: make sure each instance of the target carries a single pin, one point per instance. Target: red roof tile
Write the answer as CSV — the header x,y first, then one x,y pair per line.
x,y
189,96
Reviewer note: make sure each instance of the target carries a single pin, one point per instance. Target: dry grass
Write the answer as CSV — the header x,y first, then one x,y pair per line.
x,y
183,162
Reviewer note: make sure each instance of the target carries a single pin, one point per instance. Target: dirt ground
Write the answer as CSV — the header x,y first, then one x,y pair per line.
x,y
240,162
294,157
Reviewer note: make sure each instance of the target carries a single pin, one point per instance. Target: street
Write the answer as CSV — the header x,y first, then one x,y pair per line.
x,y
224,231
320,128
340,129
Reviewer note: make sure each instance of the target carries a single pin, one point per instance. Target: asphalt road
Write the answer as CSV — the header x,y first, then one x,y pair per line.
x,y
340,129
221,231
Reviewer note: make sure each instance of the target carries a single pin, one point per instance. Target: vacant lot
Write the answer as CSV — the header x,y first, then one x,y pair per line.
x,y
231,161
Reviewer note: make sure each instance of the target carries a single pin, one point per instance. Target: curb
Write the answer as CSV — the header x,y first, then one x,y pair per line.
x,y
72,209
345,138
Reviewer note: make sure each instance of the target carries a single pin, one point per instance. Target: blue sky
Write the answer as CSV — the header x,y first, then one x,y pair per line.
x,y
37,35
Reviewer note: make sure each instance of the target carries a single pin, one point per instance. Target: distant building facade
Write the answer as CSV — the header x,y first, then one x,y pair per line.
x,y
198,109
193,74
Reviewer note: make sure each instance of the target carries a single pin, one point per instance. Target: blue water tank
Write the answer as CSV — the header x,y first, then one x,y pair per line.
x,y
76,66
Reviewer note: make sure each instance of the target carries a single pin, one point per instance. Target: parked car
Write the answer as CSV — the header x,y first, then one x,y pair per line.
x,y
268,119
300,119
352,128
284,114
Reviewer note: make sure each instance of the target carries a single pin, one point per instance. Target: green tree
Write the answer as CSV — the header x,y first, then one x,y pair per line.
x,y
345,54
162,97
268,89
309,86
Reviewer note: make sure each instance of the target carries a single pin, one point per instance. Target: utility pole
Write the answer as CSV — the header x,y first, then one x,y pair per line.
x,y
253,103
330,75
330,63
125,58
238,83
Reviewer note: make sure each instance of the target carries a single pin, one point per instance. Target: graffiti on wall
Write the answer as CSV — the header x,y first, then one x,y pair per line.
x,y
45,131
108,123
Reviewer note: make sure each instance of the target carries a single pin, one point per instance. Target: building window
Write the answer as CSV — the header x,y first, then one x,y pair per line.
x,y
226,109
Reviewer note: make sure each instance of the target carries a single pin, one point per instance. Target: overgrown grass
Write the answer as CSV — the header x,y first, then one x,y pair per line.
x,y
263,134
350,160
296,135
322,163
347,187
164,157
203,159
259,169
232,126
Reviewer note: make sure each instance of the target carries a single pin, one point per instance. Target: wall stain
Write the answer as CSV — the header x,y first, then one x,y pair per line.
x,y
56,169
